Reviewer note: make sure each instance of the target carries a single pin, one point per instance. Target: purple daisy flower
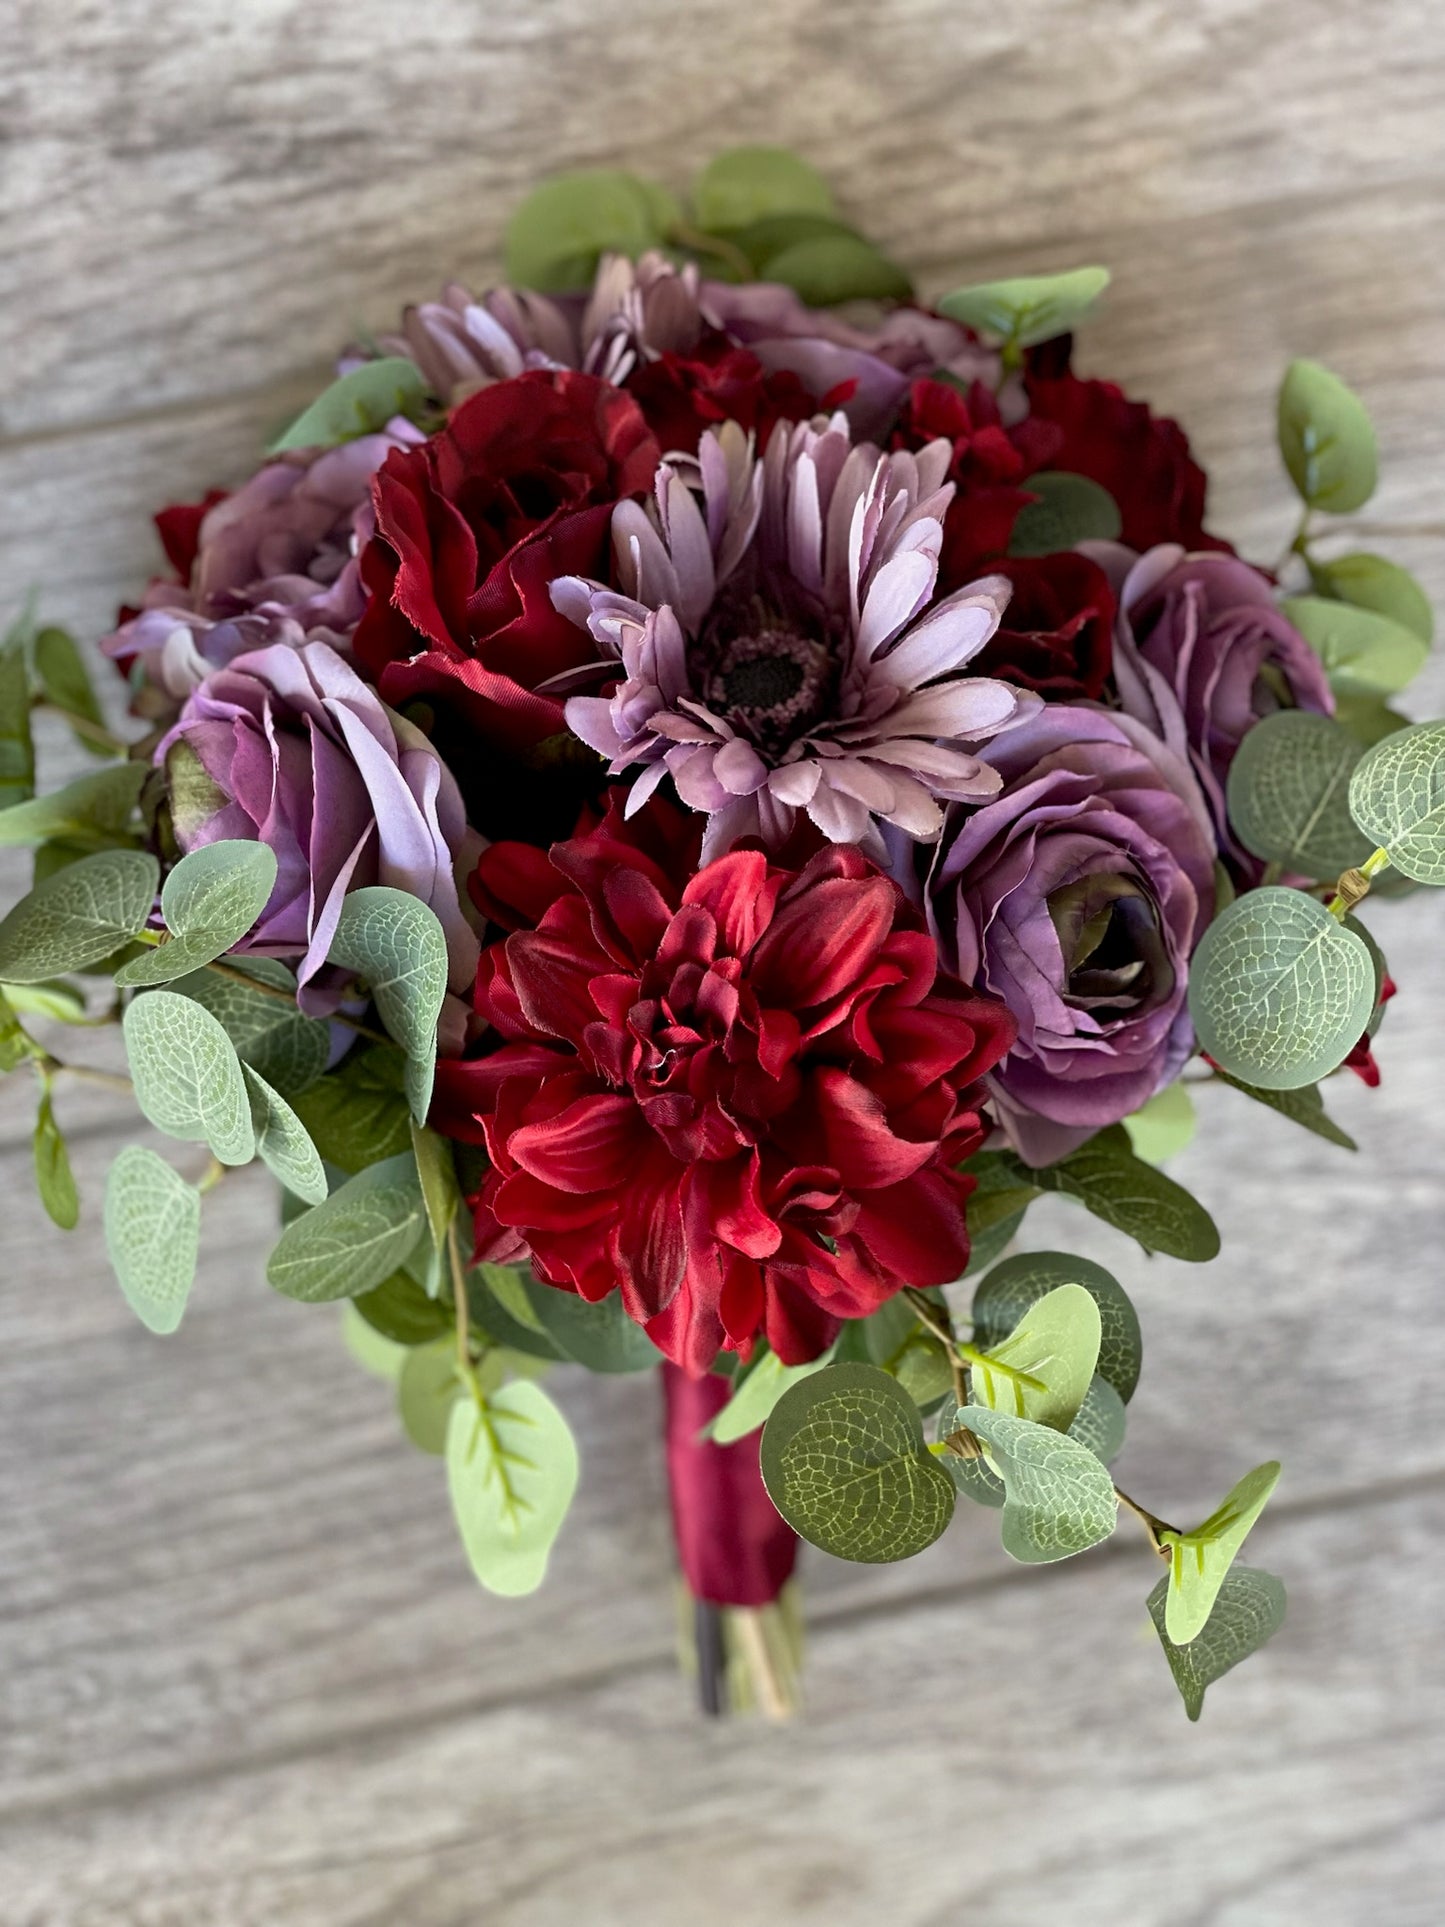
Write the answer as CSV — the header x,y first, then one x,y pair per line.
x,y
779,645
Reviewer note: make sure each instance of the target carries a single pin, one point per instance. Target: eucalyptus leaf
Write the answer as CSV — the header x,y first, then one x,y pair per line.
x,y
748,184
831,268
762,240
426,1389
1303,1106
975,1478
512,1471
563,228
1364,653
1070,509
438,1174
396,944
95,810
996,1209
17,748
282,1141
600,1336
844,1462
1250,1609
1011,1288
1326,439
752,1402
276,1039
353,1241
15,1046
1030,308
1047,1360
1164,1126
501,1308
62,1002
53,1177
77,917
373,1352
188,1078
1059,1498
356,404
1289,791
402,1312
1374,582
65,682
1397,794
1278,991
1369,719
357,1114
1101,1421
1199,1560
209,902
152,1233
1118,1187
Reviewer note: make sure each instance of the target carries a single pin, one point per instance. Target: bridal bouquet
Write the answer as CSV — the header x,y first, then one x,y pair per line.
x,y
668,817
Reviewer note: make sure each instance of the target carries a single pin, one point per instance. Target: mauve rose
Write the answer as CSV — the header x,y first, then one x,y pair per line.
x,y
287,746
1077,896
1210,627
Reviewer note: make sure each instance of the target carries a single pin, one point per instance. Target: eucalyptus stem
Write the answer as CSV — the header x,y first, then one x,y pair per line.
x,y
211,1176
1354,885
157,938
1426,531
463,1311
927,1317
1299,542
111,1080
1152,1526
93,732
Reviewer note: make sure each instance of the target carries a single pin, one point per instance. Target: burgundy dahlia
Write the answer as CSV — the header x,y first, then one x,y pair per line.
x,y
739,1093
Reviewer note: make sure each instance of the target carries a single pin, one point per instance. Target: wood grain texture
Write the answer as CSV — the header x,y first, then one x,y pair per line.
x,y
244,1677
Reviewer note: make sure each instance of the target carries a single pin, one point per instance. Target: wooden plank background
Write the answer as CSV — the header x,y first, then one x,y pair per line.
x,y
244,1677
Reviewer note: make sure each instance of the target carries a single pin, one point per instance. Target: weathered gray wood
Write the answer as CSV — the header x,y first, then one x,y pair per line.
x,y
243,1674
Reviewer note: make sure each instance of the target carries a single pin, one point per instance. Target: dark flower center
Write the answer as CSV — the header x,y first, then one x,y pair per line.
x,y
762,682
768,667
1113,948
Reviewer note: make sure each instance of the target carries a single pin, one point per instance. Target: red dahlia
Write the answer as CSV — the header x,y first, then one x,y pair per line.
x,y
739,1095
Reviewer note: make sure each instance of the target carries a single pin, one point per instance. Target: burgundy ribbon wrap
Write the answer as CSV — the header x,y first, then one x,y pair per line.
x,y
734,1548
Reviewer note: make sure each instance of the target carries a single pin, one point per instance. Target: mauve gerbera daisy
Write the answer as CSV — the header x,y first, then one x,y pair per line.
x,y
779,645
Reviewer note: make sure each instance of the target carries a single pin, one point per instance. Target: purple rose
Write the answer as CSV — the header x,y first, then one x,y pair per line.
x,y
1077,896
288,746
1208,625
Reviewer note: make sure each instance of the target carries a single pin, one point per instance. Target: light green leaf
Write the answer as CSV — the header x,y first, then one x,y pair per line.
x,y
55,998
844,1461
358,404
754,1398
53,1178
1198,1560
512,1470
15,1046
1070,509
94,809
1398,797
426,1389
1278,991
1369,719
1250,1609
270,1034
602,1336
769,236
1030,308
17,749
396,944
282,1141
1326,439
1107,1178
373,1352
1010,1289
749,184
401,1311
1364,654
894,1338
1059,1498
1302,1106
209,902
79,916
974,1477
65,681
153,1233
438,1174
1162,1128
1289,794
559,233
1101,1421
1050,1355
188,1078
1373,582
831,268
359,1237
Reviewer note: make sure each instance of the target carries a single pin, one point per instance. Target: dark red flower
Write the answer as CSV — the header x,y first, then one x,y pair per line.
x,y
179,528
738,1094
1361,1059
681,395
472,527
1057,631
989,470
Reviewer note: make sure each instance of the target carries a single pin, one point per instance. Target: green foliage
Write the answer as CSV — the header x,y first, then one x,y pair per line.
x,y
79,916
53,1178
282,1141
830,268
270,1034
209,902
1164,1126
152,1233
997,1207
1101,1421
501,1307
188,1078
1250,1609
15,1046
1010,1289
17,749
748,184
894,1339
1199,1560
755,1395
93,811
1373,582
1070,509
1369,719
844,1462
64,680
1041,1371
563,228
1326,439
602,1336
1107,1179
1302,1106
356,1239
426,1388
395,943
401,1311
1398,797
1059,1499
1030,308
512,1471
62,1002
373,1352
358,404
438,1173
1289,789
1364,653
1279,992
357,1115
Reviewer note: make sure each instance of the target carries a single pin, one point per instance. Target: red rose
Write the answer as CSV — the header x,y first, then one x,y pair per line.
x,y
739,1094
179,528
681,395
988,471
472,527
1057,632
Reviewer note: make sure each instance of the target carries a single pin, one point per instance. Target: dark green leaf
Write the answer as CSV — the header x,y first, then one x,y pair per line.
x,y
838,267
77,917
1011,1288
356,1114
356,1239
53,1178
94,810
1107,1178
65,681
17,750
285,1047
1303,1106
438,1174
602,1336
358,404
400,1310
1250,1609
1070,509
